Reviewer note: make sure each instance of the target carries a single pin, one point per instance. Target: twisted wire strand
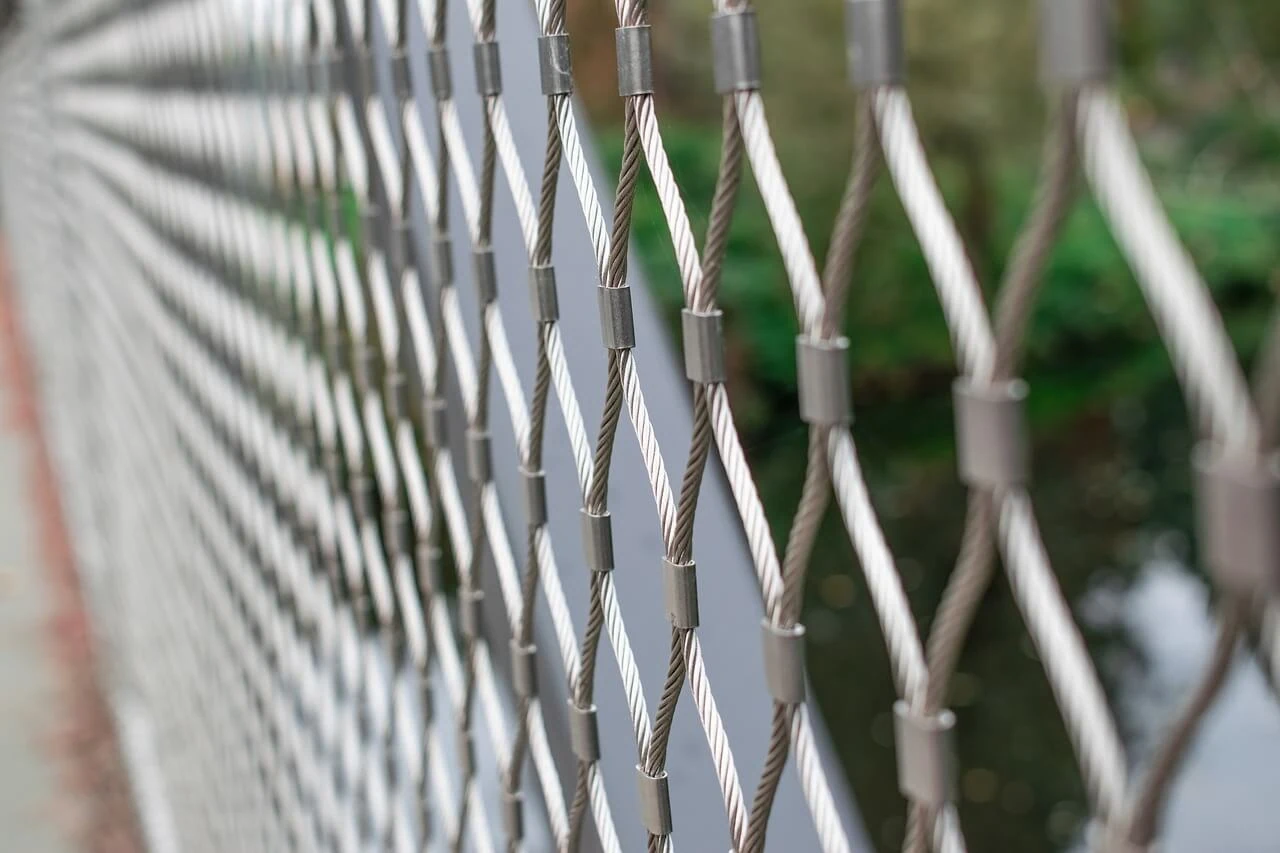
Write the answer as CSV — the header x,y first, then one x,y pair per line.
x,y
971,577
1071,675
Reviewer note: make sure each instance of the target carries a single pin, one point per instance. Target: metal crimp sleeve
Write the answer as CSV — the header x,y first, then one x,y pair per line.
x,y
925,757
680,593
873,41
1237,499
584,732
597,540
1075,42
703,336
635,60
783,661
488,68
486,275
617,321
655,801
991,433
542,293
438,68
822,369
555,64
735,49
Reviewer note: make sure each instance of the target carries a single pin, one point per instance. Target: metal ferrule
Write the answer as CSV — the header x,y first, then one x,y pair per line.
x,y
466,752
361,496
401,78
469,602
555,64
366,357
1238,518
680,593
535,497
438,70
430,566
395,529
435,416
926,762
542,294
735,49
479,456
617,323
513,815
486,275
1075,42
635,60
655,801
442,258
703,336
784,662
397,394
488,68
318,72
584,732
822,368
873,42
597,541
524,669
991,433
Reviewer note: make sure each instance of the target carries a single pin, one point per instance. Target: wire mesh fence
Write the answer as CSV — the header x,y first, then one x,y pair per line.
x,y
349,534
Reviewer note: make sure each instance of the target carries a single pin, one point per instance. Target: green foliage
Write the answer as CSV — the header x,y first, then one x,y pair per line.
x,y
1090,313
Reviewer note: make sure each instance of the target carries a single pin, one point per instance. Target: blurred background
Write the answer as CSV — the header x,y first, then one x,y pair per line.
x,y
1201,82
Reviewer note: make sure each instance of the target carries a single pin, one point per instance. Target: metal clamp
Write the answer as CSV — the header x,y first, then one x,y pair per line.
x,y
365,357
469,603
635,60
542,293
1238,516
524,669
486,275
1075,42
397,393
513,815
395,529
584,732
680,593
438,69
488,68
703,336
401,78
991,434
822,369
479,456
735,49
617,323
655,801
873,42
597,540
435,418
442,258
925,759
361,488
555,64
784,661
430,567
535,497
466,752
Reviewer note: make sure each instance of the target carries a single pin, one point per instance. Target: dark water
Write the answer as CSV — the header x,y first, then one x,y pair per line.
x,y
1113,500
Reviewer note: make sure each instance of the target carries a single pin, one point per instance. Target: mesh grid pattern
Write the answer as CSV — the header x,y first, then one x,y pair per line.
x,y
235,241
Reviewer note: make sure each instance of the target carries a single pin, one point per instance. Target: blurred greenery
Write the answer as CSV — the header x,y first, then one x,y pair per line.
x,y
1112,441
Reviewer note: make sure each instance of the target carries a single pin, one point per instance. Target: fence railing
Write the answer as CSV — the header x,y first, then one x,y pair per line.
x,y
345,371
